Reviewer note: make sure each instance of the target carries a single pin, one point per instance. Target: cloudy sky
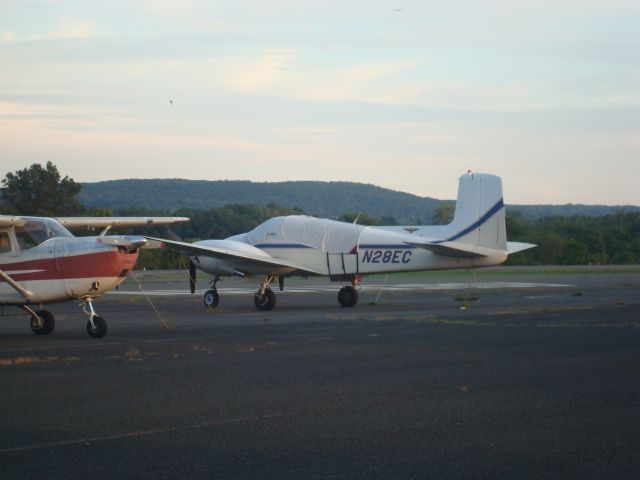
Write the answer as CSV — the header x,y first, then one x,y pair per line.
x,y
544,93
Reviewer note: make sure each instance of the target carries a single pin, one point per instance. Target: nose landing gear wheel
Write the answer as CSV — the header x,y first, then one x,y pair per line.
x,y
348,296
266,301
43,322
98,328
211,298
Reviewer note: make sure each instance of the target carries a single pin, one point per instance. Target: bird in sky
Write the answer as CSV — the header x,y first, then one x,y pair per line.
x,y
171,101
397,10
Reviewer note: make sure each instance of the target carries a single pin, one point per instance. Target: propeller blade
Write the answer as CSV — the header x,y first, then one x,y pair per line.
x,y
192,276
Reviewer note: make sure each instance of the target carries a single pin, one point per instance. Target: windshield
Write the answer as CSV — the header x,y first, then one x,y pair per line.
x,y
37,230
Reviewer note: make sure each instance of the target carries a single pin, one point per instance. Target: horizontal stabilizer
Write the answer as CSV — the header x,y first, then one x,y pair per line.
x,y
513,247
462,250
457,249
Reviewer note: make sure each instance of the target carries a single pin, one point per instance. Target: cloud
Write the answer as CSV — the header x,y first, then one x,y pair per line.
x,y
254,74
66,29
191,15
74,29
283,73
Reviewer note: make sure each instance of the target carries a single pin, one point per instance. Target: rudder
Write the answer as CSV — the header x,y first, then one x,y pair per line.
x,y
479,217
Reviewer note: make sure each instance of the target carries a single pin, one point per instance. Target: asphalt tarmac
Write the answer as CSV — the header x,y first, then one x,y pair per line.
x,y
516,374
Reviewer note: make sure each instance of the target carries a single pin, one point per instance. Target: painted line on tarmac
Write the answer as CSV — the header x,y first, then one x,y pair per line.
x,y
406,287
142,433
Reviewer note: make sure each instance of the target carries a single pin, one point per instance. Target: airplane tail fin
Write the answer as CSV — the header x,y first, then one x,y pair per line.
x,y
479,217
478,228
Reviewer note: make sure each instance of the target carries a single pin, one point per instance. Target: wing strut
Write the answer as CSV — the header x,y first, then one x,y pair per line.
x,y
27,294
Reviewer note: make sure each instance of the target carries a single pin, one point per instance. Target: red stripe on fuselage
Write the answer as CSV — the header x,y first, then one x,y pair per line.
x,y
110,263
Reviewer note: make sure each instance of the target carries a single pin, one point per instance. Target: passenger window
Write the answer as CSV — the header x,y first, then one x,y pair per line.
x,y
5,242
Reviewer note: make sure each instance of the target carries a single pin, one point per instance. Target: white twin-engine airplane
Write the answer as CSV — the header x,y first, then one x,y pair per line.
x,y
304,246
42,262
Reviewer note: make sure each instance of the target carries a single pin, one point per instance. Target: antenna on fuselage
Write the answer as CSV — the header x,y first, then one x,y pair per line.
x,y
355,222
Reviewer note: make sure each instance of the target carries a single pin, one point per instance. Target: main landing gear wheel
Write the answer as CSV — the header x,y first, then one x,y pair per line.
x,y
211,298
97,328
43,322
265,301
348,296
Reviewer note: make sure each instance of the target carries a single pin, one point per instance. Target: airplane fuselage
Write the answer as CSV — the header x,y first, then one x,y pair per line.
x,y
366,250
66,268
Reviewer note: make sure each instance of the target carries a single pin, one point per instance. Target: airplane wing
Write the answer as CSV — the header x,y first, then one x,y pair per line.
x,y
463,250
105,223
224,253
9,220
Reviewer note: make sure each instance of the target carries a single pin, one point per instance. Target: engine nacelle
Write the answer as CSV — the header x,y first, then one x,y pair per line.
x,y
227,266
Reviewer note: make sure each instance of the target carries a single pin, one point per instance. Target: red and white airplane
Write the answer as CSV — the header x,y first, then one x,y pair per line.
x,y
41,262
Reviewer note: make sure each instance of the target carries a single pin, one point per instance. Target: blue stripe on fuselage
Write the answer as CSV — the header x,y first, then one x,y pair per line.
x,y
386,246
281,245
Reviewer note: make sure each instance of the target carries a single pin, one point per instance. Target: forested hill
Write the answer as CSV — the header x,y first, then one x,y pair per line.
x,y
323,199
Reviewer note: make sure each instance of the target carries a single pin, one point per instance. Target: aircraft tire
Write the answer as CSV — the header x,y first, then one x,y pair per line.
x,y
43,325
211,298
99,327
266,301
348,296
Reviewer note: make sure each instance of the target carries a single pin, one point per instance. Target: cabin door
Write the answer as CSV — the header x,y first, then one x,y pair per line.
x,y
342,263
61,254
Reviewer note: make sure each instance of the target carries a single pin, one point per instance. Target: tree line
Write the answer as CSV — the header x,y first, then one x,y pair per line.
x,y
577,240
561,240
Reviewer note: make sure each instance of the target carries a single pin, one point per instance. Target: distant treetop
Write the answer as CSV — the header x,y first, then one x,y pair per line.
x,y
40,191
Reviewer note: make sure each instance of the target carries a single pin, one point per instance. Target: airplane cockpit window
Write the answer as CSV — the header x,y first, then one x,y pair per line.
x,y
5,242
37,230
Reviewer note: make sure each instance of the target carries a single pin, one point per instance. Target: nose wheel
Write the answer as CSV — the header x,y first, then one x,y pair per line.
x,y
96,326
211,297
